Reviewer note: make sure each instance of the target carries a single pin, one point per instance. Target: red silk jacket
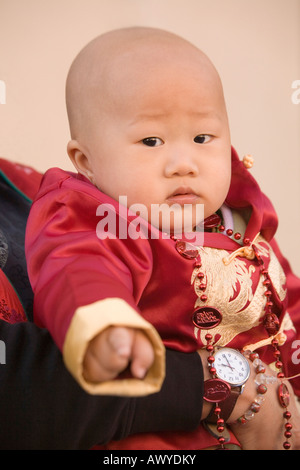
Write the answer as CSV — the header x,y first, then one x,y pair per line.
x,y
70,267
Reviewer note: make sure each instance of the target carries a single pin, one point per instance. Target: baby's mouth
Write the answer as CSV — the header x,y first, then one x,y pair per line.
x,y
183,195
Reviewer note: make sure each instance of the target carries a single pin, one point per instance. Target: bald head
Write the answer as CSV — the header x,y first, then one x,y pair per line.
x,y
124,58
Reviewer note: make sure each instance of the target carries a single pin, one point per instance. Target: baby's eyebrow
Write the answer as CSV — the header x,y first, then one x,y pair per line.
x,y
148,117
155,116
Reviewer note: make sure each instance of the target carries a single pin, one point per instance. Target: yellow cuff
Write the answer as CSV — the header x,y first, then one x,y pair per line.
x,y
90,320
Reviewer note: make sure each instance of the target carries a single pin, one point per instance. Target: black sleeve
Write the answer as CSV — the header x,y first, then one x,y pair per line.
x,y
42,407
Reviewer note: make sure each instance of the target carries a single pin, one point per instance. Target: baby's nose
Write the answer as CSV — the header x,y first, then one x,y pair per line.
x,y
181,165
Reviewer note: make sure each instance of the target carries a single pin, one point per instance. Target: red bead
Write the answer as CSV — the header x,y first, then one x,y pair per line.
x,y
206,317
278,364
260,370
287,415
220,424
186,250
237,236
255,407
242,420
268,293
253,356
209,348
286,445
258,257
283,395
221,439
266,282
202,286
203,297
261,389
200,275
211,359
221,228
280,375
229,232
217,410
288,426
216,390
212,370
208,337
246,241
270,321
288,434
212,221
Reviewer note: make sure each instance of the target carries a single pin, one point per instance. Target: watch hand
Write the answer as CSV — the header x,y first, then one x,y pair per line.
x,y
229,363
225,365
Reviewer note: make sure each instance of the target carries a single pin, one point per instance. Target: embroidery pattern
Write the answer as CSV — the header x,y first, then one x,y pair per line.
x,y
230,289
10,314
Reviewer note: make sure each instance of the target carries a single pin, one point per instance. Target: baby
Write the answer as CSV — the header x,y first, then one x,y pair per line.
x,y
148,120
157,132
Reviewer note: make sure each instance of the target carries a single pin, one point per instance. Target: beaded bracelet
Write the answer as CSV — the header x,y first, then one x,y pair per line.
x,y
261,381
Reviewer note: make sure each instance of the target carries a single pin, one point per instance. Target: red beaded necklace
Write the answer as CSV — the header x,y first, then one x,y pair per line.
x,y
208,317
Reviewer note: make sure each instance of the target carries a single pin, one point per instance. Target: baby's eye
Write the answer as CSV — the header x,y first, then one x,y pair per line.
x,y
152,141
202,138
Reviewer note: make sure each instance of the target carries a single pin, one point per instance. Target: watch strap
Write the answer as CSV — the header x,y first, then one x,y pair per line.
x,y
226,406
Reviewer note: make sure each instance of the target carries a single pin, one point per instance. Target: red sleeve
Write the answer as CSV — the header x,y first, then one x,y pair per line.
x,y
11,309
290,352
69,266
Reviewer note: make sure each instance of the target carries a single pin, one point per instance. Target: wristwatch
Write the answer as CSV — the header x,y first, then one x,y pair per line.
x,y
232,372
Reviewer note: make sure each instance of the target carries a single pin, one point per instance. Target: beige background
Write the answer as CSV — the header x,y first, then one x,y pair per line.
x,y
254,44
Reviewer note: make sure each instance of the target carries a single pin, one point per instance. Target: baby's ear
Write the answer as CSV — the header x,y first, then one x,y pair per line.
x,y
80,159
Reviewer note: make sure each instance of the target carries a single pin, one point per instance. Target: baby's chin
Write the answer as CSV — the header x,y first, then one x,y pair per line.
x,y
172,221
186,227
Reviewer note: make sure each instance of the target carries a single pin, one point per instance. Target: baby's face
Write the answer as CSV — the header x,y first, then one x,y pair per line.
x,y
162,137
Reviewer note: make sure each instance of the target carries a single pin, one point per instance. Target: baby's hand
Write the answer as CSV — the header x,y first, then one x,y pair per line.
x,y
110,352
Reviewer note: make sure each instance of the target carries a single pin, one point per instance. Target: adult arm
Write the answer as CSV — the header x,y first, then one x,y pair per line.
x,y
42,407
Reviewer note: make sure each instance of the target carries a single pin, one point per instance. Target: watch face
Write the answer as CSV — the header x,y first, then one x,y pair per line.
x,y
231,366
